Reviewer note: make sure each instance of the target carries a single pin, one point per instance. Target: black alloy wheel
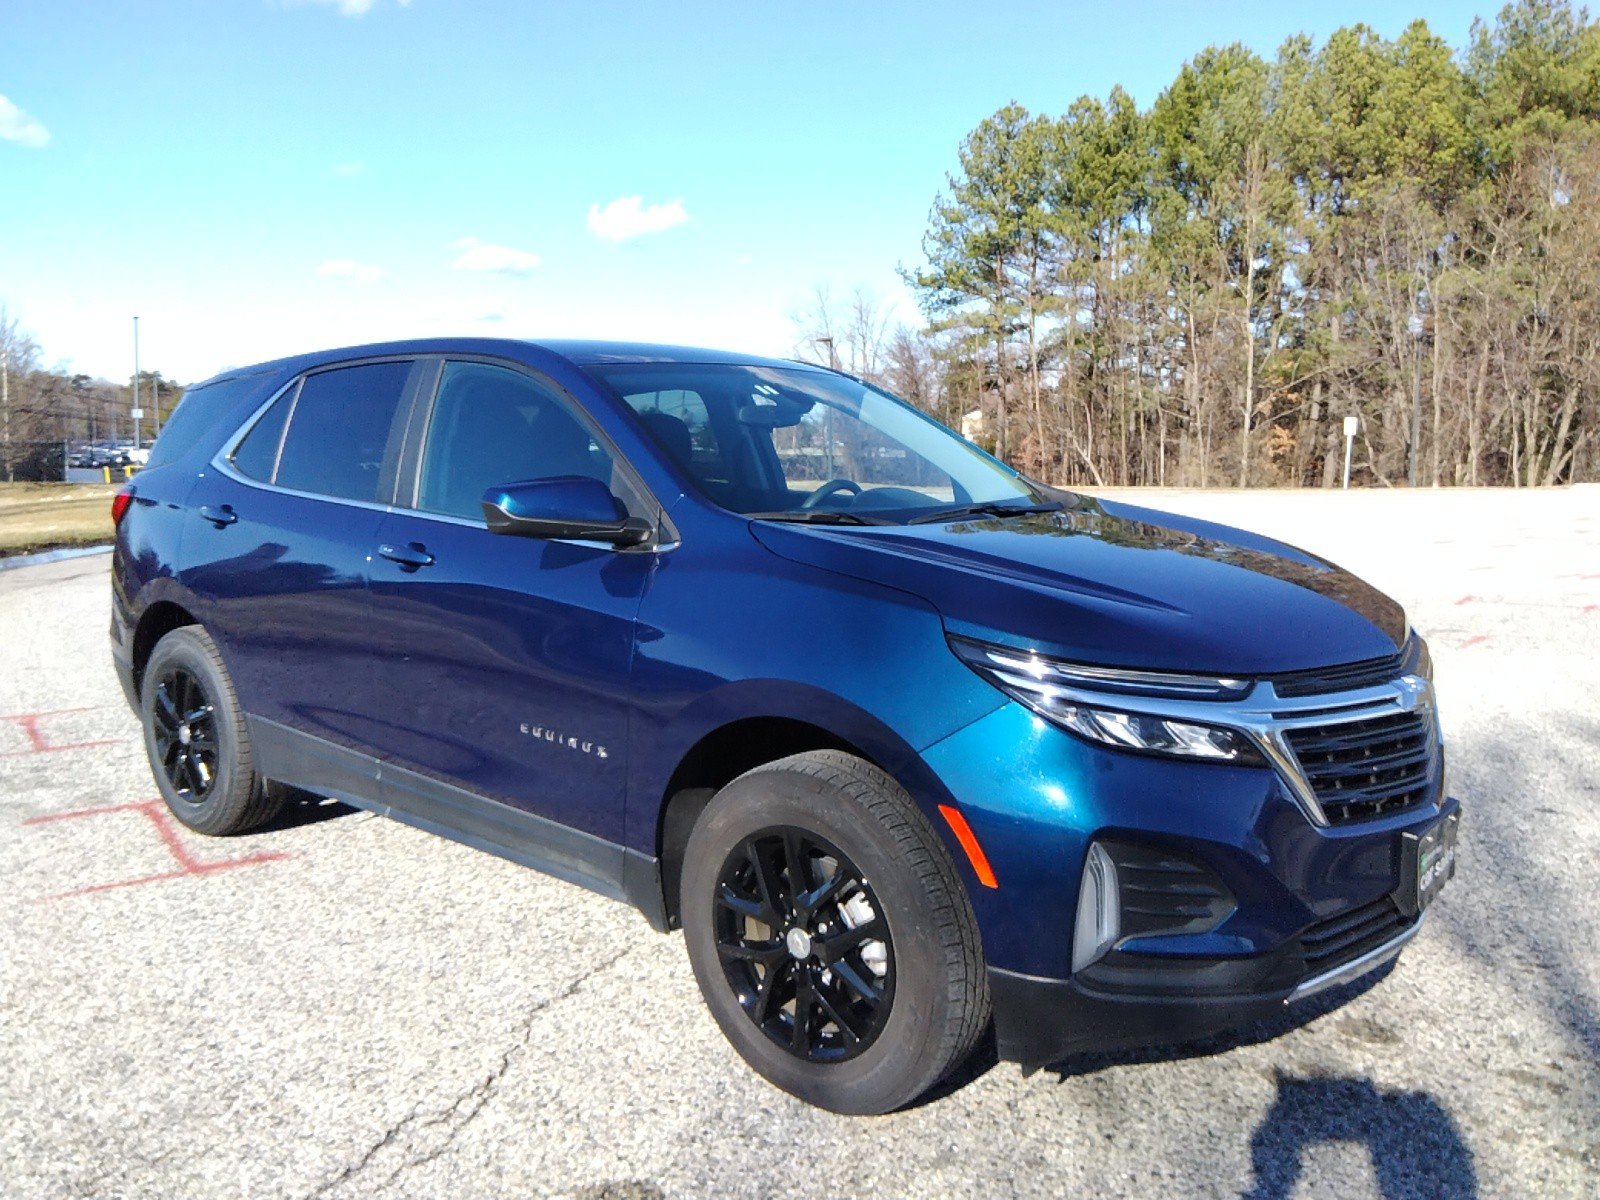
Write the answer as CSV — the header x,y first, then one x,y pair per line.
x,y
832,939
185,734
803,944
197,740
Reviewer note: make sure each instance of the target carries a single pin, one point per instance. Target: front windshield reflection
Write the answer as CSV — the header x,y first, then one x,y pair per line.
x,y
796,441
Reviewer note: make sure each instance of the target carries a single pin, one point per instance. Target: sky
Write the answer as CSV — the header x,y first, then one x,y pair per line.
x,y
256,178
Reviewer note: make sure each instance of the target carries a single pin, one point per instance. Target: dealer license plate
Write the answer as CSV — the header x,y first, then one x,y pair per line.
x,y
1429,860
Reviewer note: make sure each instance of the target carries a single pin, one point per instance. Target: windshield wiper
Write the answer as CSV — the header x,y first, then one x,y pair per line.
x,y
990,508
818,516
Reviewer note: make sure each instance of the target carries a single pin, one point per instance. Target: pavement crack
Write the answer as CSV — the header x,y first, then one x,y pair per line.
x,y
439,1129
353,1169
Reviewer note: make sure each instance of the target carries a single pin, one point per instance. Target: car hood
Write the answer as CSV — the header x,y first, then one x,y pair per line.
x,y
1117,585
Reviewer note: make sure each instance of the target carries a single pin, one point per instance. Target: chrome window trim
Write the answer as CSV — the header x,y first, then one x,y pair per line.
x,y
230,445
288,417
222,462
1267,718
226,468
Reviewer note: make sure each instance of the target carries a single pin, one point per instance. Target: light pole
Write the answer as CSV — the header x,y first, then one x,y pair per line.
x,y
137,413
1415,327
5,399
1352,425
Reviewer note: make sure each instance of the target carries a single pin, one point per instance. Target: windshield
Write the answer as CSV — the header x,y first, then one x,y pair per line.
x,y
804,444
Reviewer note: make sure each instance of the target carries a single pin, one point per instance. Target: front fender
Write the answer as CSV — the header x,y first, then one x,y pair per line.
x,y
737,632
783,700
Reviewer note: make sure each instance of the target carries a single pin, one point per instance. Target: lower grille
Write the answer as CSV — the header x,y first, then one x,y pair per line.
x,y
1318,949
1368,768
1331,943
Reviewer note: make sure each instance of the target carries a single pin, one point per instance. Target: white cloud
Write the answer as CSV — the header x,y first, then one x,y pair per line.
x,y
628,217
486,256
353,8
21,128
348,170
349,268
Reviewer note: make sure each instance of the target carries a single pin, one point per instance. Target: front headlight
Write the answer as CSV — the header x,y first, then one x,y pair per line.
x,y
1055,690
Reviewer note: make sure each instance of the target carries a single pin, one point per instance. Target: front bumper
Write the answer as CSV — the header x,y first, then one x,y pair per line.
x,y
1131,997
1258,905
1039,1021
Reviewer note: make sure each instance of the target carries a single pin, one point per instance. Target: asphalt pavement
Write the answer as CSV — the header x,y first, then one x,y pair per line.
x,y
342,1006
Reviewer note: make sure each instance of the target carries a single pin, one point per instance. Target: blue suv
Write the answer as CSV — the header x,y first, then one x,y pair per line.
x,y
909,745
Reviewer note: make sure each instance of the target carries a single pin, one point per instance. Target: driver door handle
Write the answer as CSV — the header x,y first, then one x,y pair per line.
x,y
410,556
218,515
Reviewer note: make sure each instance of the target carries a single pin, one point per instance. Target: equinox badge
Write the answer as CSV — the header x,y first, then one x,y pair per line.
x,y
557,738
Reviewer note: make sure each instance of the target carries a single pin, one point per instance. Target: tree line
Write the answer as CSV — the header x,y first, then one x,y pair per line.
x,y
1199,292
47,413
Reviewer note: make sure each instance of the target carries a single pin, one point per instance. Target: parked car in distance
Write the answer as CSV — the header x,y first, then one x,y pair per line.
x,y
908,745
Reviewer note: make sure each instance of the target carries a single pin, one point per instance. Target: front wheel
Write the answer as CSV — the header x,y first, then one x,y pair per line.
x,y
830,936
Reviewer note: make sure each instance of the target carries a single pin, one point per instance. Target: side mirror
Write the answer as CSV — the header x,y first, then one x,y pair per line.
x,y
566,506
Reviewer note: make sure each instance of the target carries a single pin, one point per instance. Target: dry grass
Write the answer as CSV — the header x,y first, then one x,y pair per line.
x,y
44,516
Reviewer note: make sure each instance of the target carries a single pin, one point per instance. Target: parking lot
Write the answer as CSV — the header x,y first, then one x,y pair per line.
x,y
342,1006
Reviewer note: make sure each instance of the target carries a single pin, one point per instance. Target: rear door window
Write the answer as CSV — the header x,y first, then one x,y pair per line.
x,y
257,455
344,432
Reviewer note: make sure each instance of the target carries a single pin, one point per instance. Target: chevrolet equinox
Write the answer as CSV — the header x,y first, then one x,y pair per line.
x,y
909,745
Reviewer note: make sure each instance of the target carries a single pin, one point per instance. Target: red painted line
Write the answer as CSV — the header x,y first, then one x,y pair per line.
x,y
155,812
37,742
169,836
88,812
1474,640
111,887
1465,600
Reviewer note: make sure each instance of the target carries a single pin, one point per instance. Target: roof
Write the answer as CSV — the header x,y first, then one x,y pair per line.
x,y
587,353
577,351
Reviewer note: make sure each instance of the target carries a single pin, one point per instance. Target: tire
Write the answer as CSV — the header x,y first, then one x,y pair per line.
x,y
195,737
741,917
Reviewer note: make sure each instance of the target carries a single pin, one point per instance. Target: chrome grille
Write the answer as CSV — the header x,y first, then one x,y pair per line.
x,y
1337,679
1367,768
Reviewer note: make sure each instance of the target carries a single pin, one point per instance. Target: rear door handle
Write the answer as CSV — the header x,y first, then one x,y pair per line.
x,y
219,515
410,556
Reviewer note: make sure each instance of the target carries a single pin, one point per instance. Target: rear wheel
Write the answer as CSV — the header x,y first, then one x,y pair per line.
x,y
195,737
830,936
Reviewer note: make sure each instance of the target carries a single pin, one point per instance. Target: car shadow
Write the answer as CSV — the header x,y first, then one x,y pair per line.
x,y
304,808
1415,1145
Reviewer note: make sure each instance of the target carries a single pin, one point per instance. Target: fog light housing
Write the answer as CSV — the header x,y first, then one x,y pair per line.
x,y
1099,919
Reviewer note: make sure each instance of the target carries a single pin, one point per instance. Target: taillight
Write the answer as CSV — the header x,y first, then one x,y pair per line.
x,y
119,505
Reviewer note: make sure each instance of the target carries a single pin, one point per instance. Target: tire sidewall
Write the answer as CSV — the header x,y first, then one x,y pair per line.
x,y
230,791
895,1067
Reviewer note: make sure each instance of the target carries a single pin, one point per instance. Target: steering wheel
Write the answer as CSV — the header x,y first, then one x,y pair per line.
x,y
832,487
